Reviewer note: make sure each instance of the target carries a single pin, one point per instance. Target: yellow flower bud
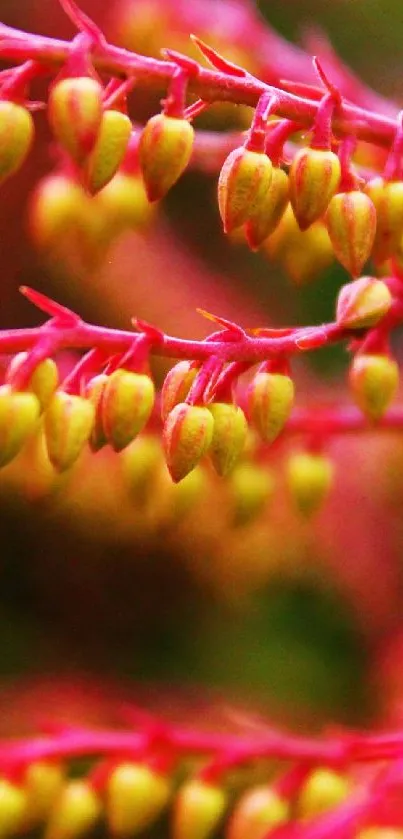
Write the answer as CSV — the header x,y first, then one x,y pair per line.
x,y
124,203
229,436
165,148
258,810
109,149
270,211
314,178
59,206
362,303
304,254
136,795
19,413
43,784
198,810
244,180
75,114
270,402
43,381
374,380
16,136
387,198
187,436
251,487
127,402
351,224
13,802
177,384
94,392
75,812
68,423
141,463
309,479
323,790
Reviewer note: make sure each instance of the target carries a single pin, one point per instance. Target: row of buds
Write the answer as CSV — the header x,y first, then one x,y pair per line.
x,y
131,797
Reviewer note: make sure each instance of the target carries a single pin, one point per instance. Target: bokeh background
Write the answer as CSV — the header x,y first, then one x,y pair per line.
x,y
300,620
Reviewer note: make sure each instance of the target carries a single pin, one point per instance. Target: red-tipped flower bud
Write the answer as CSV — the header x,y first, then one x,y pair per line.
x,y
136,796
362,303
351,224
244,180
165,148
387,198
309,478
314,178
374,380
127,402
187,436
177,384
268,214
75,812
270,401
109,149
229,436
16,136
19,412
75,114
258,810
198,809
68,422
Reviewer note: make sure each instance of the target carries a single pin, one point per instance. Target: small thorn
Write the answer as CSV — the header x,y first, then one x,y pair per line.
x,y
49,306
218,61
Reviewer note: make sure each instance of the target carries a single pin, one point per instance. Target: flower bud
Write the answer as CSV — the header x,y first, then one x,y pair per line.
x,y
68,422
136,796
187,436
141,463
229,436
250,487
258,810
16,136
165,148
362,303
75,812
387,198
43,381
109,149
198,809
314,178
127,402
351,224
12,808
323,790
374,380
75,114
176,387
244,180
124,203
268,214
270,401
94,392
309,479
188,493
59,206
43,783
19,413
304,254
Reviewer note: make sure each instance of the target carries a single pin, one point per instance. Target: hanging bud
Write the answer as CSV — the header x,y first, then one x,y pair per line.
x,y
43,784
177,384
387,198
304,254
188,493
94,392
68,422
19,413
351,224
127,402
362,303
323,790
187,436
268,215
109,149
136,796
141,463
12,808
251,487
229,436
309,479
374,380
165,148
16,137
270,401
244,180
124,203
314,178
59,206
75,114
198,810
75,812
258,811
43,381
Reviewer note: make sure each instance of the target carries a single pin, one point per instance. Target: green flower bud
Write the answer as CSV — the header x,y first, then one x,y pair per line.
x,y
374,380
136,795
68,423
251,487
109,149
270,211
165,149
362,303
198,810
127,403
16,137
351,224
309,479
314,178
244,180
75,114
270,402
187,436
229,436
19,413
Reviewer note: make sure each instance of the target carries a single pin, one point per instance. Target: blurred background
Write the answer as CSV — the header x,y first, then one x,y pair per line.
x,y
177,604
